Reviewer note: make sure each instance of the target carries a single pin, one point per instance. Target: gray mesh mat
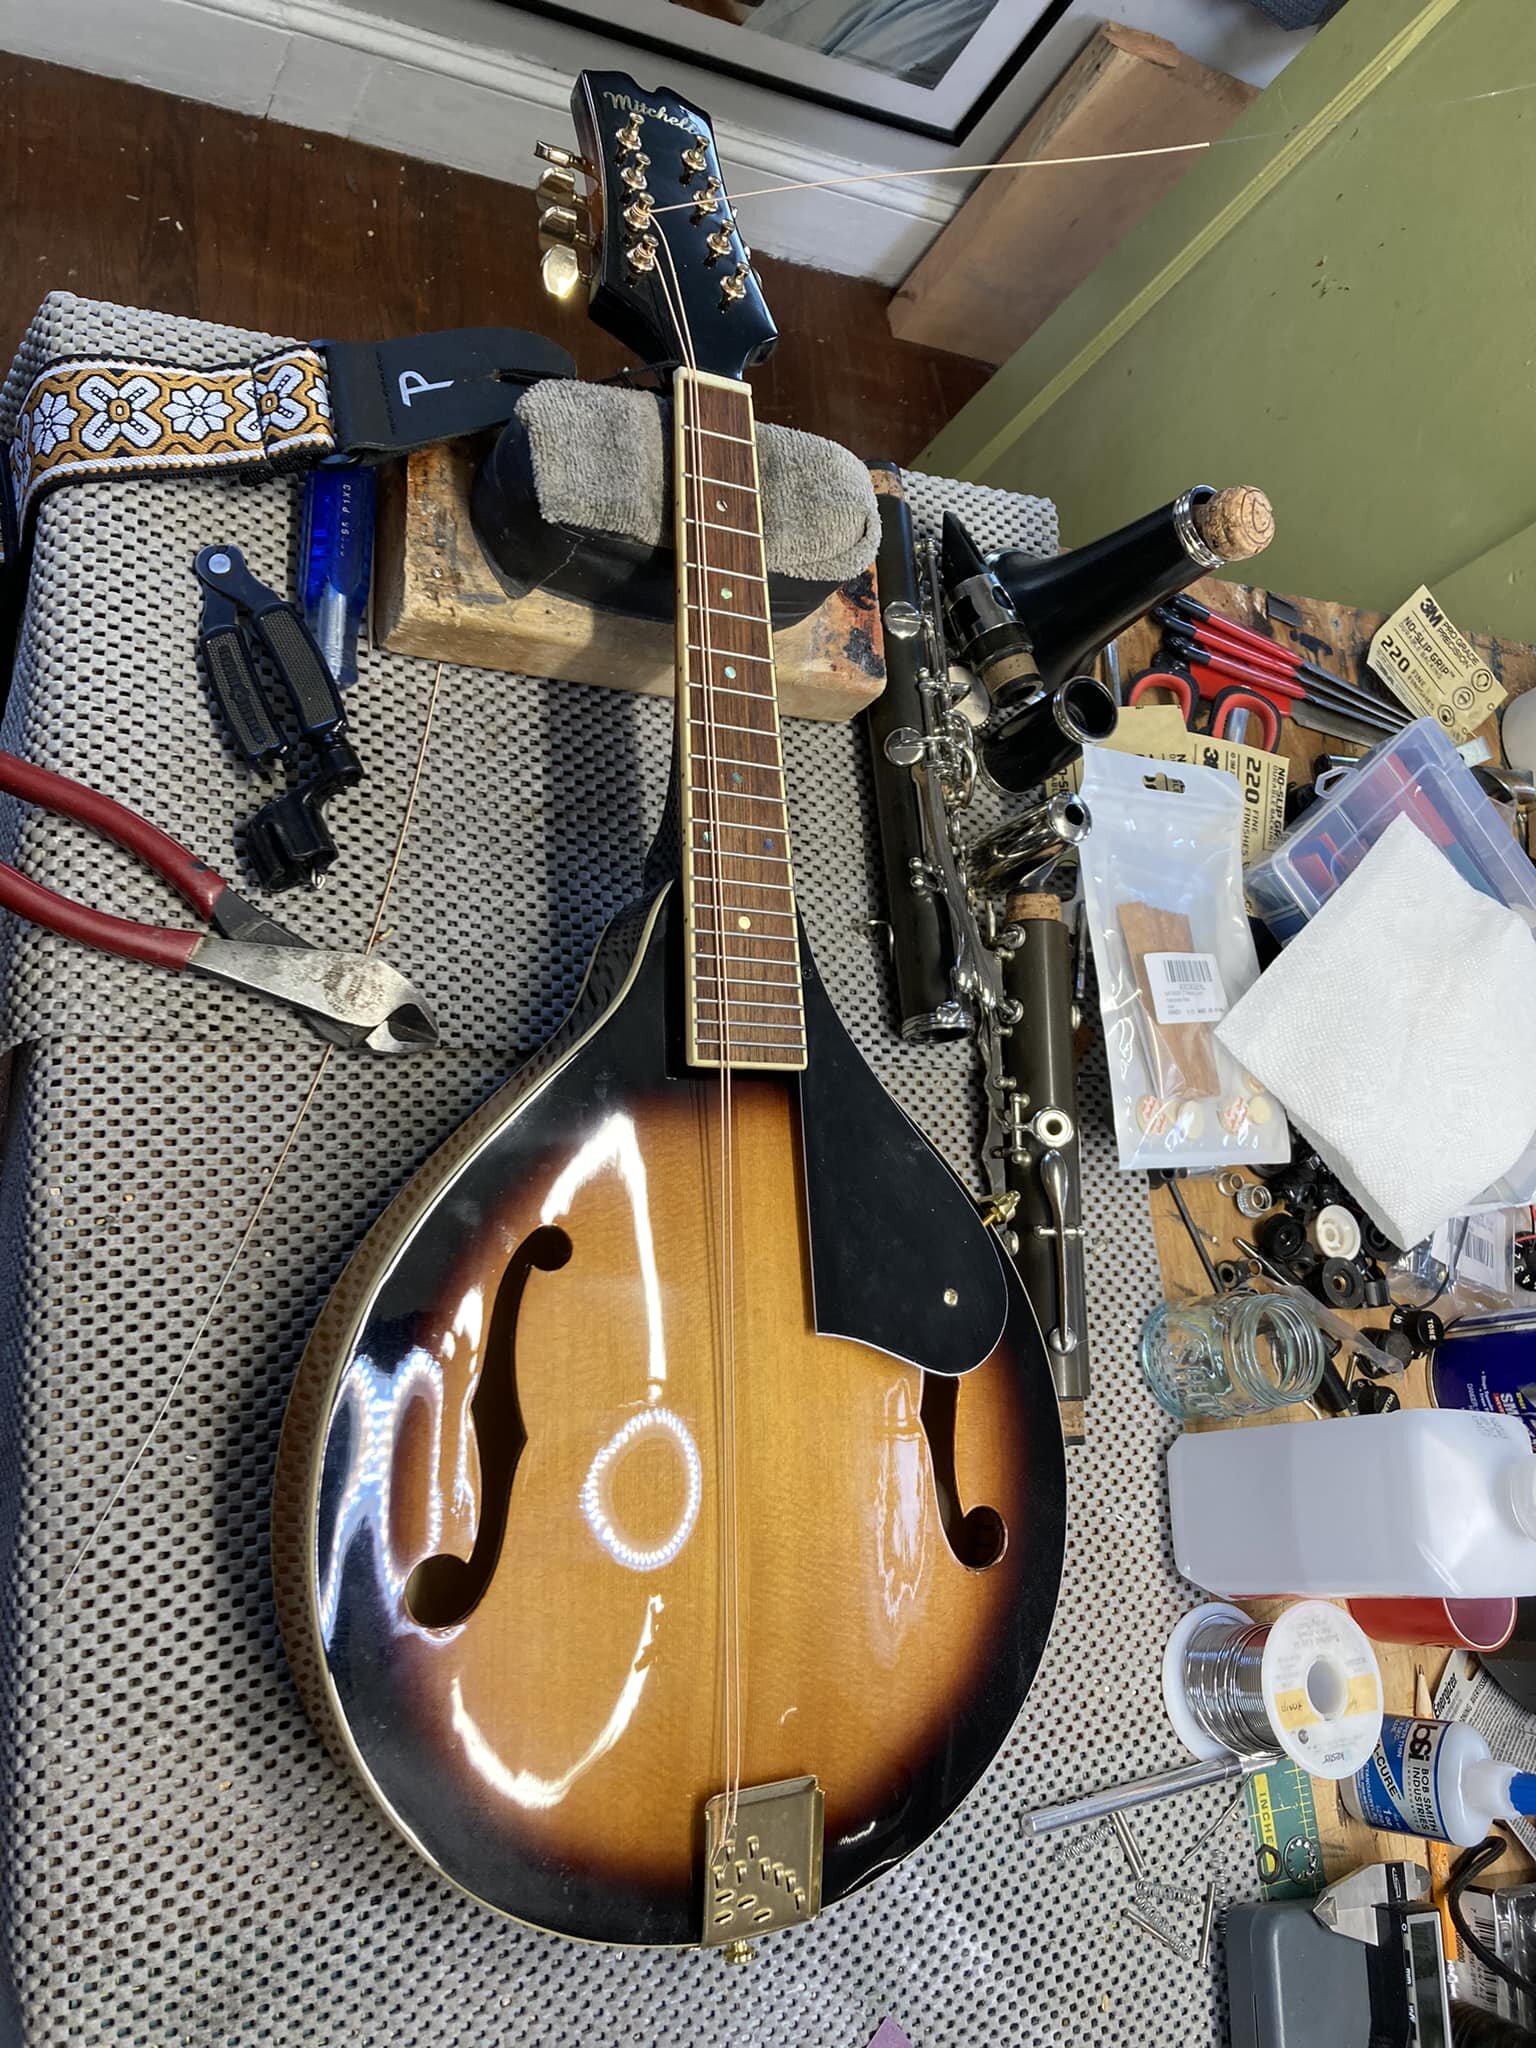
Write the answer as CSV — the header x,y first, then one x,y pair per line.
x,y
180,1862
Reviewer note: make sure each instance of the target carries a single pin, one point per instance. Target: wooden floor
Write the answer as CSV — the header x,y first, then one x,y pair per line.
x,y
116,192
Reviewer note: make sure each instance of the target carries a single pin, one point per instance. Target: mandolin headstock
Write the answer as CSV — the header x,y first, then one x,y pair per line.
x,y
654,238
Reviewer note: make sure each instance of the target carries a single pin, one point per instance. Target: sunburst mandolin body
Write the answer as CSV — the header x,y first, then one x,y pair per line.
x,y
670,1507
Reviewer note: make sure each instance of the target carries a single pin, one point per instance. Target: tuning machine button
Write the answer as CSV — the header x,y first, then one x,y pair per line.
x,y
557,187
560,268
696,156
563,159
561,224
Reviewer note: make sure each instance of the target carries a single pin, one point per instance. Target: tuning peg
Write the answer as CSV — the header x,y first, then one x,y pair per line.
x,y
696,157
719,243
641,255
560,268
706,201
564,159
633,174
637,214
734,287
557,187
561,224
628,136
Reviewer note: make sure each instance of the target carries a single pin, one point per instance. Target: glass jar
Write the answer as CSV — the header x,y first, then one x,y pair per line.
x,y
1238,1354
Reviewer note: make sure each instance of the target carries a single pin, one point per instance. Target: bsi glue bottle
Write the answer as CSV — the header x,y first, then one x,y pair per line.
x,y
1437,1779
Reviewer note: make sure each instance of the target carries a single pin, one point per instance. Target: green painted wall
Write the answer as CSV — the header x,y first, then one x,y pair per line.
x,y
1338,303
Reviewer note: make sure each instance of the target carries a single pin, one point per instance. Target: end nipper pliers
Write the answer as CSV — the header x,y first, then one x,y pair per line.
x,y
348,999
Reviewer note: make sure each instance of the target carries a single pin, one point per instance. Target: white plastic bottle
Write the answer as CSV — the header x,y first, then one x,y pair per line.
x,y
1436,1779
1426,1502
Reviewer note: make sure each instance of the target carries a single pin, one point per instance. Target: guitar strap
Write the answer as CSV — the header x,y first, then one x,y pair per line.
x,y
89,418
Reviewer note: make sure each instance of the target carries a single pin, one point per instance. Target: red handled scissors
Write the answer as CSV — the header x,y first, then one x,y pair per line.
x,y
349,999
1213,708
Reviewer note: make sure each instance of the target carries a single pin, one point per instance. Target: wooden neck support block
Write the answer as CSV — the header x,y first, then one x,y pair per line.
x,y
435,595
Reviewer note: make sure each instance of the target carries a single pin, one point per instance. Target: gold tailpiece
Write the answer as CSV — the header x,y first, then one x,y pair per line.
x,y
766,1872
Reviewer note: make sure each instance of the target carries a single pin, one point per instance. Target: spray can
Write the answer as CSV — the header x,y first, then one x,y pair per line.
x,y
1436,1779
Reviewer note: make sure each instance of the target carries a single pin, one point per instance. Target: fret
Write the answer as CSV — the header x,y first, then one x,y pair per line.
x,y
717,434
725,853
734,653
708,882
753,980
743,796
746,1003
726,569
718,526
758,939
762,732
732,1034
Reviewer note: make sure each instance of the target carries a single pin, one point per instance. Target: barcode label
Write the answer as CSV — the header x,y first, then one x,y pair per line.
x,y
1477,1245
1186,988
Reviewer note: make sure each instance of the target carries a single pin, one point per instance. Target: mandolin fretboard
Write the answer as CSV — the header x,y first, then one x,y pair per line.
x,y
743,954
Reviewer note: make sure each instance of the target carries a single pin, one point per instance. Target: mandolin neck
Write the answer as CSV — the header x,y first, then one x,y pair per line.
x,y
742,951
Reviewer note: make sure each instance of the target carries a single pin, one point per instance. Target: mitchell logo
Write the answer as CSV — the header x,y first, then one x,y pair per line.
x,y
626,105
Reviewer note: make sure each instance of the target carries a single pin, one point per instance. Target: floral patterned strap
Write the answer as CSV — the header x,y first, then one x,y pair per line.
x,y
105,418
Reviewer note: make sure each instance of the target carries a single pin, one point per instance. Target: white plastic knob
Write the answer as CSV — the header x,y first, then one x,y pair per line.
x,y
1337,1232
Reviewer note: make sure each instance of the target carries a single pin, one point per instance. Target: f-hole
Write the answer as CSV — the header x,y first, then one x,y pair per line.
x,y
979,1536
444,1590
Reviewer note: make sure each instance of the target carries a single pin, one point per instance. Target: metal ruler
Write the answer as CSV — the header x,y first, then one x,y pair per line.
x,y
1282,1820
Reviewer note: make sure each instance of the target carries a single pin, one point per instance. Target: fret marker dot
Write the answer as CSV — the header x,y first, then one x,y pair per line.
x,y
767,846
725,591
729,671
744,924
719,504
706,839
736,779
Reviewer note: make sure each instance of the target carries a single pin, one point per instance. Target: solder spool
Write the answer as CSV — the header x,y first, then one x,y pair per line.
x,y
1307,1687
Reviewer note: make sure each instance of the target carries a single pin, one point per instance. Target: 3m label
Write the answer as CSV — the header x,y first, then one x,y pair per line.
x,y
1186,988
1433,668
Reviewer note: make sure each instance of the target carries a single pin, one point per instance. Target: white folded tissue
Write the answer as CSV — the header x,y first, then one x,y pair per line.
x,y
1395,1030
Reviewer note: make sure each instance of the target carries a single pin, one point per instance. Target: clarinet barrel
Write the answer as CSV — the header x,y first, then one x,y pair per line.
x,y
1041,1161
923,945
1072,605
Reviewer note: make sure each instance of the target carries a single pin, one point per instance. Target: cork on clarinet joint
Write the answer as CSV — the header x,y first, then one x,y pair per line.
x,y
1237,523
1025,905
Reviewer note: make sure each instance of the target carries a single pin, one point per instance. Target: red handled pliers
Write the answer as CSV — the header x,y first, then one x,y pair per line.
x,y
348,999
1220,705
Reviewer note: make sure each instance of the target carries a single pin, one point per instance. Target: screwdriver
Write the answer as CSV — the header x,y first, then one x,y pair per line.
x,y
1267,650
1285,690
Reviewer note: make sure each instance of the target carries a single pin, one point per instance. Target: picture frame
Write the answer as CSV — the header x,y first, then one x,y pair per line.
x,y
927,67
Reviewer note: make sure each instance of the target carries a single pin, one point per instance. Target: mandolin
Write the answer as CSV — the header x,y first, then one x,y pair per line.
x,y
671,1500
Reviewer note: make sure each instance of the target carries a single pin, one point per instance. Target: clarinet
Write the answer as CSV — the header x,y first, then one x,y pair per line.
x,y
960,970
1035,1119
920,767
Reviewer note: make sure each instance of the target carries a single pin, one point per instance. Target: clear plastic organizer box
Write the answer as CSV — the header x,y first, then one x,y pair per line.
x,y
1417,771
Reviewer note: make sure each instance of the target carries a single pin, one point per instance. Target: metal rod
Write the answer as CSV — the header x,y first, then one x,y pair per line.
x,y
1194,1236
1206,1923
1044,1820
1130,1847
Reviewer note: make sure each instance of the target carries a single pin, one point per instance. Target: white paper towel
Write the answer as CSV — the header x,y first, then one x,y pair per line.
x,y
1395,1029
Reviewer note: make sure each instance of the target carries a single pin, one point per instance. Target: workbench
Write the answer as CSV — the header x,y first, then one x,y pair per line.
x,y
181,1862
1337,636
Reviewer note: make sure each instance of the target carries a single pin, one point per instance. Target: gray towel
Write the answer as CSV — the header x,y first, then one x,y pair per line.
x,y
601,463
